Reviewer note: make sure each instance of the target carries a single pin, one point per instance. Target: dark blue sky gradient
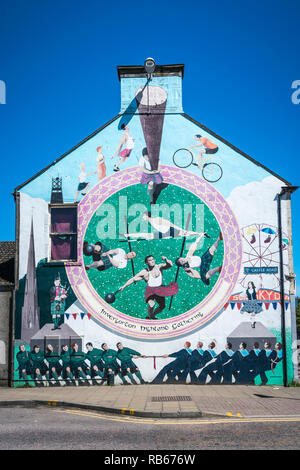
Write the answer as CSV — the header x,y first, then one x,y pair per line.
x,y
59,58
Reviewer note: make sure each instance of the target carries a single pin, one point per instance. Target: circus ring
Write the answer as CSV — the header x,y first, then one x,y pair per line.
x,y
191,320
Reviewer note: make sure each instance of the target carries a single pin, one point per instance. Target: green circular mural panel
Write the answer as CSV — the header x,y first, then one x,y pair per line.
x,y
175,203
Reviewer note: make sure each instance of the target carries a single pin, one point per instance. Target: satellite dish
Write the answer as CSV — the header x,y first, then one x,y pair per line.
x,y
149,65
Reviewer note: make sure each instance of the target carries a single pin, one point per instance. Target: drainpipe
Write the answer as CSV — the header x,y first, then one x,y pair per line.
x,y
16,195
285,190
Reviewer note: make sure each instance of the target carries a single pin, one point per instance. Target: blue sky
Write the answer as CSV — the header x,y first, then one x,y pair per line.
x,y
58,60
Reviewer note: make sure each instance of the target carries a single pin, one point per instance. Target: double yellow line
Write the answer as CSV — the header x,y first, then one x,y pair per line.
x,y
200,421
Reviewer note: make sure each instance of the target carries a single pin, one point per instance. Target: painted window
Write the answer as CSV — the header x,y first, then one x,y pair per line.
x,y
63,233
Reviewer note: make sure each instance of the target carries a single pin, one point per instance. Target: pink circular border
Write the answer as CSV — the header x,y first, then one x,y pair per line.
x,y
232,249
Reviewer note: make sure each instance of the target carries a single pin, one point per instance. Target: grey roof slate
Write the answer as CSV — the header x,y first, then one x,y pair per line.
x,y
7,263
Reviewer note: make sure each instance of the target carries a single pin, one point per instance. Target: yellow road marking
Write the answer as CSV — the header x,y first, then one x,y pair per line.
x,y
131,412
52,403
200,421
239,415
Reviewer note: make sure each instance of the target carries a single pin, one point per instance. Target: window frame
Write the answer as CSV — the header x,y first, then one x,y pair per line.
x,y
53,234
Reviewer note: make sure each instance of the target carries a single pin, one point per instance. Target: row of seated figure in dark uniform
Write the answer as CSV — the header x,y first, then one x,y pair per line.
x,y
227,367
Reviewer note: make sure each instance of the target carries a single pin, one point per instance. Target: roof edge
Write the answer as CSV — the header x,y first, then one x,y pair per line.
x,y
235,148
65,154
182,114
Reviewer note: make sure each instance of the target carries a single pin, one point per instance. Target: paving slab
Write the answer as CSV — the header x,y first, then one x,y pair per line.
x,y
204,400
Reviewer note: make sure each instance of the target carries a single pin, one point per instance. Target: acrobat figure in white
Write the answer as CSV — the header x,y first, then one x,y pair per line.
x,y
191,263
163,229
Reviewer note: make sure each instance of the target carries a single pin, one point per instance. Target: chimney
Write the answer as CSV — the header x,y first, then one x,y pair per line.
x,y
135,77
151,96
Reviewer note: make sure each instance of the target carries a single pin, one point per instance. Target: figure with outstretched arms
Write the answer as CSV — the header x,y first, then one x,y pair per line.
x,y
163,228
155,290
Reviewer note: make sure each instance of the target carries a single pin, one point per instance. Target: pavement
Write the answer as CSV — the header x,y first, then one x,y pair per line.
x,y
164,401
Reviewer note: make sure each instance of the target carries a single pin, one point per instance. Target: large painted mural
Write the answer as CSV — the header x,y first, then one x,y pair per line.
x,y
150,253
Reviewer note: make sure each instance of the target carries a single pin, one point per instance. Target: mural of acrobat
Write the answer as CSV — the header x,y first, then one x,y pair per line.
x,y
156,291
103,258
169,253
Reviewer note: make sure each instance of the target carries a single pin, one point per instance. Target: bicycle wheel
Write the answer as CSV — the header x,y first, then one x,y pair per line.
x,y
212,172
183,158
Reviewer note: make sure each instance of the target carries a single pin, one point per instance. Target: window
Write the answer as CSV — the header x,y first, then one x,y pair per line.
x,y
63,233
